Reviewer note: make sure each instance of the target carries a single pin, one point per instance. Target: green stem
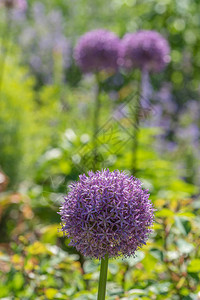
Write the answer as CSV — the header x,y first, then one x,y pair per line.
x,y
103,278
136,120
142,94
96,122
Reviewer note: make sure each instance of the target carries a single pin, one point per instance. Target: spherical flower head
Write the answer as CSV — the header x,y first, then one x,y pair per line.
x,y
145,49
97,50
18,4
107,213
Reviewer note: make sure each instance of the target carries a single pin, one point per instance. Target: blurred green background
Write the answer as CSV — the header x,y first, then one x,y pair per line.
x,y
46,119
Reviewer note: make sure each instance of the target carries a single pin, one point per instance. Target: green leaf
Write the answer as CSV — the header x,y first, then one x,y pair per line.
x,y
186,214
137,292
132,261
113,289
172,255
184,187
149,262
164,213
158,254
184,247
183,225
113,268
90,266
160,288
50,233
50,293
194,266
18,281
4,291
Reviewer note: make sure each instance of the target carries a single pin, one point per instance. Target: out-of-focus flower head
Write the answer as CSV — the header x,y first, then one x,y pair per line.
x,y
144,49
97,50
18,4
188,128
107,213
45,44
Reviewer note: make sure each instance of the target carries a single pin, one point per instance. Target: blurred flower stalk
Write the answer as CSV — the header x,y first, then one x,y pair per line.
x,y
97,51
147,51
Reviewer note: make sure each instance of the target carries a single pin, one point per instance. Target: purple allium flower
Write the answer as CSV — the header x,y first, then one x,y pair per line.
x,y
107,213
18,4
97,50
145,50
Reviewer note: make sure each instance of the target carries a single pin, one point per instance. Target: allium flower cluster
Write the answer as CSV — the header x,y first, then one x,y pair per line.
x,y
18,4
97,50
107,213
145,50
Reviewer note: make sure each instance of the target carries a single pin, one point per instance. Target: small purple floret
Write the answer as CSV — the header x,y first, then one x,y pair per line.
x,y
144,49
97,50
107,213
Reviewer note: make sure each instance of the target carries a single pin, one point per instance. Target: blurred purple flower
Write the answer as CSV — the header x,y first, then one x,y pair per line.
x,y
192,109
97,50
107,213
162,109
18,4
145,50
190,133
188,129
165,97
159,118
44,43
163,145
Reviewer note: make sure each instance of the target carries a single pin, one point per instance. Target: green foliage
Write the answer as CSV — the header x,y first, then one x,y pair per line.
x,y
23,129
46,142
33,268
16,119
168,267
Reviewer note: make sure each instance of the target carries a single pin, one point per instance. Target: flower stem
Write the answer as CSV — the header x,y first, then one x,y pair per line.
x,y
103,278
96,122
136,119
138,113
